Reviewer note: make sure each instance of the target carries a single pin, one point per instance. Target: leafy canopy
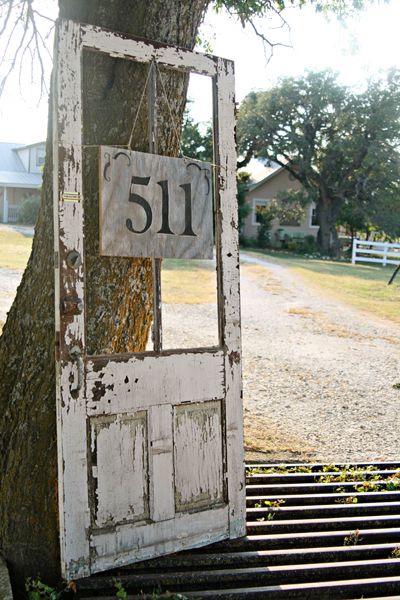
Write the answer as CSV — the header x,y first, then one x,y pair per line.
x,y
342,146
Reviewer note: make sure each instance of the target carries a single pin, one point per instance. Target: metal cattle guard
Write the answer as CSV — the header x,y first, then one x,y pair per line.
x,y
154,464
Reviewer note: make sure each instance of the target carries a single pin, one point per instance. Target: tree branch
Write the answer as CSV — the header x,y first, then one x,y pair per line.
x,y
23,35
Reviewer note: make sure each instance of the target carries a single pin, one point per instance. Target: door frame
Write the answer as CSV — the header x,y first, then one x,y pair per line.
x,y
71,39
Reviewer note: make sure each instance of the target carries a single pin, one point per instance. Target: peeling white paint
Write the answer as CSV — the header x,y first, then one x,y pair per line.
x,y
71,412
122,46
168,379
229,292
151,445
198,455
121,484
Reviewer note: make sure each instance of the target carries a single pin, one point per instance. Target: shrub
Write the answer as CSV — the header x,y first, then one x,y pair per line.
x,y
28,211
246,242
310,245
295,246
307,245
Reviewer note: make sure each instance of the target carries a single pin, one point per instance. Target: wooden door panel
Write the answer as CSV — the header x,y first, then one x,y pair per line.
x,y
198,456
119,486
161,463
139,381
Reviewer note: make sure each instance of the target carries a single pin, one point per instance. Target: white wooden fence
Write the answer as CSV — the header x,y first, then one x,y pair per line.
x,y
375,252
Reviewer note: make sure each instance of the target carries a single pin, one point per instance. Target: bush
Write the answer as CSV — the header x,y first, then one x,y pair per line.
x,y
307,245
246,242
295,246
310,245
28,211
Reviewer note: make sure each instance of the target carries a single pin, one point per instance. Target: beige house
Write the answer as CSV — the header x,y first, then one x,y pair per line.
x,y
20,176
264,191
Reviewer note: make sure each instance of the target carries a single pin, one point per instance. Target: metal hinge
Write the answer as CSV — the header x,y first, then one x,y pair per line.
x,y
70,197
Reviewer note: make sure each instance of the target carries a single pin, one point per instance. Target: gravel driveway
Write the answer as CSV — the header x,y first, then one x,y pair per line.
x,y
318,376
320,372
320,379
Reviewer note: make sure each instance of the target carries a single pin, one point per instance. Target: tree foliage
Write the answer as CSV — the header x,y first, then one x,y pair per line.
x,y
242,180
342,146
281,209
194,143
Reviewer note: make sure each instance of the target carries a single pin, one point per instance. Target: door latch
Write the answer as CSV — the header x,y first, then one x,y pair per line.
x,y
71,306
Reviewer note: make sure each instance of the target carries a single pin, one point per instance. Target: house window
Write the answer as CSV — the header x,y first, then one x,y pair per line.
x,y
256,204
40,157
313,216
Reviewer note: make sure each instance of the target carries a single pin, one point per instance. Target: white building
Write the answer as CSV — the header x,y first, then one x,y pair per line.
x,y
20,176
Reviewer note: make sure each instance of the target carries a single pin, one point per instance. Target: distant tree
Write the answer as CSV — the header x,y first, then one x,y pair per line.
x,y
342,146
194,143
281,209
243,182
29,210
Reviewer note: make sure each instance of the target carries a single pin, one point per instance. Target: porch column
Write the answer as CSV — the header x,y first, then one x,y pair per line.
x,y
5,206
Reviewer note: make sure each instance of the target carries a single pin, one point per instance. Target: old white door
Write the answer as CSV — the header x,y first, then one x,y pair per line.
x,y
150,445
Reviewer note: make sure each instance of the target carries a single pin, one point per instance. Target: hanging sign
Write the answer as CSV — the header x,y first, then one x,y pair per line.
x,y
154,206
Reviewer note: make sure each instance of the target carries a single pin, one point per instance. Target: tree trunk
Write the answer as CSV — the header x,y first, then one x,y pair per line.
x,y
327,238
119,291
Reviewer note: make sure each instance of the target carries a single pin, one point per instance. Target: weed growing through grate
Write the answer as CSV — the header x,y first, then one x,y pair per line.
x,y
37,590
120,590
366,479
278,470
348,473
348,500
353,539
272,505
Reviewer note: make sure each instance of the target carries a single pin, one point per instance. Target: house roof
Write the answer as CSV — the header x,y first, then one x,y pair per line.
x,y
258,184
9,159
12,170
17,179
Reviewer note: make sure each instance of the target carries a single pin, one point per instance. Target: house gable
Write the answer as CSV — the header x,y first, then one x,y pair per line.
x,y
266,190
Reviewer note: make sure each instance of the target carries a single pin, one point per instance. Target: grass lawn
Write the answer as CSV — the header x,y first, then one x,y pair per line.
x,y
15,249
188,281
363,286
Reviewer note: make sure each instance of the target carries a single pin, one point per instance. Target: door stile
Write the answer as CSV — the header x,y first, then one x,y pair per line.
x,y
70,305
227,245
156,262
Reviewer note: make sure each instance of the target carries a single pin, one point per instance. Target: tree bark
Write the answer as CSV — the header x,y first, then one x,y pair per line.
x,y
119,291
327,237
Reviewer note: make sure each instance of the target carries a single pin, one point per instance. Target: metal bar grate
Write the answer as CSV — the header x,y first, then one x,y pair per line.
x,y
313,531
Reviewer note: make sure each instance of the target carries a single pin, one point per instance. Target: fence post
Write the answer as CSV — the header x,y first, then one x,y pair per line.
x,y
385,251
354,251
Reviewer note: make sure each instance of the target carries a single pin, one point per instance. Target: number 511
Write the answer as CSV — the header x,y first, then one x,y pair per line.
x,y
165,207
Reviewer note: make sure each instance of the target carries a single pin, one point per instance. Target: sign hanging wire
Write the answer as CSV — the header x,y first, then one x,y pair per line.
x,y
139,107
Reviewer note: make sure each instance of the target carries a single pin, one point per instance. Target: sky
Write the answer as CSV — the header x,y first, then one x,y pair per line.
x,y
368,43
